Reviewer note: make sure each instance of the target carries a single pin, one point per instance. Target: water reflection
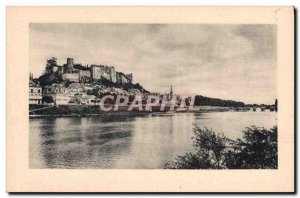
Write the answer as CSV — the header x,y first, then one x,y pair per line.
x,y
94,142
136,141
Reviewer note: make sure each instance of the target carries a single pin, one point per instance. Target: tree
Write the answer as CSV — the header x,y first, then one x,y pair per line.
x,y
48,99
210,148
52,62
257,150
206,101
49,79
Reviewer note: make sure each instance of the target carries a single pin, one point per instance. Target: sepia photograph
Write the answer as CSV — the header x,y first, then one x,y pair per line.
x,y
153,96
179,99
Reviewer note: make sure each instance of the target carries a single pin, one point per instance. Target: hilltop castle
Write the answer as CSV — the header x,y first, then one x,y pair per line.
x,y
76,72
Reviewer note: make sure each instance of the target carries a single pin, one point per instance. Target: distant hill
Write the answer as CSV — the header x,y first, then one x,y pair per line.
x,y
206,101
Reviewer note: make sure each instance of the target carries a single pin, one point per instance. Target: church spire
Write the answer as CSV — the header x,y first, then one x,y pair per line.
x,y
171,93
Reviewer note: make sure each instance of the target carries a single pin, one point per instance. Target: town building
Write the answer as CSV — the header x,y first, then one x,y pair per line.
x,y
75,88
58,92
61,99
134,92
89,100
35,92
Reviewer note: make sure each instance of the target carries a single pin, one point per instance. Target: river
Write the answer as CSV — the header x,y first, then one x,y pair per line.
x,y
131,141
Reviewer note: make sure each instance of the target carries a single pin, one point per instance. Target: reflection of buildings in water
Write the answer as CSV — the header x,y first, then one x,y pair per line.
x,y
84,142
177,128
47,142
114,118
154,136
167,127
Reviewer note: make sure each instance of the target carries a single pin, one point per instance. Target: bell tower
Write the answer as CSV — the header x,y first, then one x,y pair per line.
x,y
171,93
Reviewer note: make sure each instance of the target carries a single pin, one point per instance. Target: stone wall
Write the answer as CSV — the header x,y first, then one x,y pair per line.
x,y
71,77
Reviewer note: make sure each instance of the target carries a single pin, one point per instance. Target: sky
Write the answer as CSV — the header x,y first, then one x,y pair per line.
x,y
234,62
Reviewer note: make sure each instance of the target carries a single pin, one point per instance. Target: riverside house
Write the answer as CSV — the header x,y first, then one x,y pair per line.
x,y
35,93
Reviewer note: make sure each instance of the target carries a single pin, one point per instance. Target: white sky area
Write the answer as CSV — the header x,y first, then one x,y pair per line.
x,y
236,62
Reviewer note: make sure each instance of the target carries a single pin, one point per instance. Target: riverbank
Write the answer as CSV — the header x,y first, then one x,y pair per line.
x,y
41,111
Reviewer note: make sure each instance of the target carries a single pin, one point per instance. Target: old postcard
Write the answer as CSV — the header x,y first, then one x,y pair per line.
x,y
150,99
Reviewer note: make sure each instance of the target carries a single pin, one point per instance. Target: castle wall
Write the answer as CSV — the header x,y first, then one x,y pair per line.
x,y
129,78
122,78
71,77
105,71
96,72
84,73
113,74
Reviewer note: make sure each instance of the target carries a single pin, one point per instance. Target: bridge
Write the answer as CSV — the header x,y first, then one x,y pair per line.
x,y
257,108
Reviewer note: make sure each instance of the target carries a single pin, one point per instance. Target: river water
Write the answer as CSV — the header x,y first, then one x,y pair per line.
x,y
128,141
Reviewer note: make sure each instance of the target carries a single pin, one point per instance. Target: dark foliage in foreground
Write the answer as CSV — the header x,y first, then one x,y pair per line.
x,y
257,150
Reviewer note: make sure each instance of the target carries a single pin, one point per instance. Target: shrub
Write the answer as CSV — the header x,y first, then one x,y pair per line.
x,y
257,150
48,99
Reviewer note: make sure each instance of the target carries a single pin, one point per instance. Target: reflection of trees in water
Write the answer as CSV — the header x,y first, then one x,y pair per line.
x,y
98,146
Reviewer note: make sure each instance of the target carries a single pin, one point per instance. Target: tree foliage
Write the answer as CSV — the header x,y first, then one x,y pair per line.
x,y
206,101
48,99
52,62
257,150
49,79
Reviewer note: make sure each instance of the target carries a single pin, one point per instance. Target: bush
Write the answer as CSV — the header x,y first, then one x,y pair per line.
x,y
49,79
257,150
48,99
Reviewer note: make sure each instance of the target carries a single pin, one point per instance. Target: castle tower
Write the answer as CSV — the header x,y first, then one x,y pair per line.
x,y
70,65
